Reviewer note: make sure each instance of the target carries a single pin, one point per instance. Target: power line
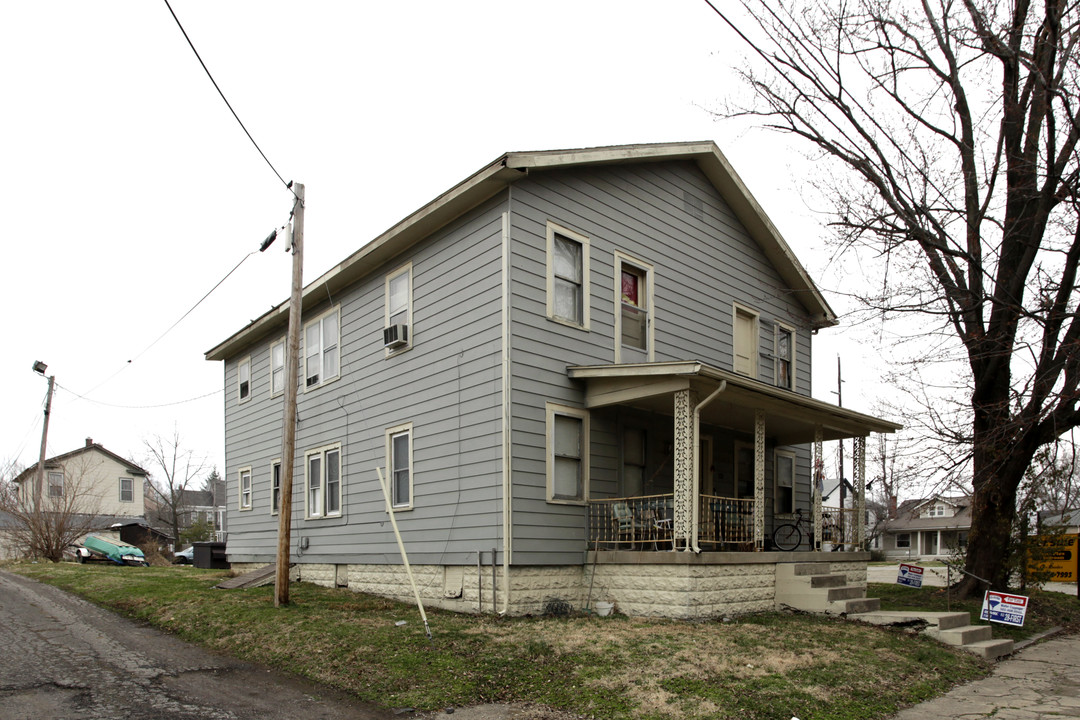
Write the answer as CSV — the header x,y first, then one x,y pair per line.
x,y
140,407
169,330
288,185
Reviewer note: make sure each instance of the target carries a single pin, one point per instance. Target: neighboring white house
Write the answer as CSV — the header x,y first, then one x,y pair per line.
x,y
103,482
928,528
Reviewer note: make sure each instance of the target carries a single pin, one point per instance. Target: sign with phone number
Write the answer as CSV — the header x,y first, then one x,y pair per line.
x,y
1004,608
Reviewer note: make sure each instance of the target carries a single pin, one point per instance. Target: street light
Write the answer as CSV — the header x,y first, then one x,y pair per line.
x,y
40,368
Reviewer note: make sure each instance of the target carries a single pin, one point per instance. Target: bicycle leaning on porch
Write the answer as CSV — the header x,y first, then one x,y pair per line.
x,y
789,535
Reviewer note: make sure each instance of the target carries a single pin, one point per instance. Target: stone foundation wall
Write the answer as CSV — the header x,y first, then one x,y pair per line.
x,y
687,592
675,586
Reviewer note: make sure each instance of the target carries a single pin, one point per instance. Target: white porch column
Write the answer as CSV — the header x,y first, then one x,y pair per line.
x,y
859,473
685,400
818,482
759,480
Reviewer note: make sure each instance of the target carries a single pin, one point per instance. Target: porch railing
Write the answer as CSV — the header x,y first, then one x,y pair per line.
x,y
646,522
840,526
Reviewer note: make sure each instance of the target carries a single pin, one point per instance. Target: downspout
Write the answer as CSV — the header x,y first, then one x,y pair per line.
x,y
695,520
507,449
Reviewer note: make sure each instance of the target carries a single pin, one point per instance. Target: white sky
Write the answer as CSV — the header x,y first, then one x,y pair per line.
x,y
129,190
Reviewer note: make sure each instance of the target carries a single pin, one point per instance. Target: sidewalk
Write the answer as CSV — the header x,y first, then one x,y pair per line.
x,y
1039,682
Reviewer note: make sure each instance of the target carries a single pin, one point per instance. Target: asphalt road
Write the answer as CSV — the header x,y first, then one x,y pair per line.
x,y
62,658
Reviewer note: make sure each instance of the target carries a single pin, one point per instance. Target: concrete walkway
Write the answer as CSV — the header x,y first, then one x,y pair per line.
x,y
1039,682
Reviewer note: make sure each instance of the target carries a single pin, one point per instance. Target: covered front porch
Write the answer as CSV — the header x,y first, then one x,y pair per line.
x,y
739,457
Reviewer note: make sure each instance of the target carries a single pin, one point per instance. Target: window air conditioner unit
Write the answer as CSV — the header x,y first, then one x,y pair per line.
x,y
396,336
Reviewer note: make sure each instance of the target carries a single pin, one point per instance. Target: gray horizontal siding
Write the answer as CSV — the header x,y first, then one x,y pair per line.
x,y
702,266
448,385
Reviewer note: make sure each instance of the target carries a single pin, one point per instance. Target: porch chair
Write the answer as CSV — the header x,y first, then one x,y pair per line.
x,y
624,524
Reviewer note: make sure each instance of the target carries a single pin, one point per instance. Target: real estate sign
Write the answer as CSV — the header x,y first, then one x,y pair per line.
x,y
1055,554
910,575
1004,608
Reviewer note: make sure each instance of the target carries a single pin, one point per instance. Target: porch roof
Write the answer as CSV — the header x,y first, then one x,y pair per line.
x,y
790,418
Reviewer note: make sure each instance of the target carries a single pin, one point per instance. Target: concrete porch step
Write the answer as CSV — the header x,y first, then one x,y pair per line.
x,y
964,635
947,627
990,649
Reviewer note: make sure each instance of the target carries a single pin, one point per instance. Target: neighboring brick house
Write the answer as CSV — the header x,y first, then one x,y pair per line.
x,y
929,528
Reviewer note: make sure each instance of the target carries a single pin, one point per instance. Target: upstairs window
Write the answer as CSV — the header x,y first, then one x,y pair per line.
x,y
56,484
633,300
127,489
243,380
397,334
321,350
277,368
745,341
567,276
784,357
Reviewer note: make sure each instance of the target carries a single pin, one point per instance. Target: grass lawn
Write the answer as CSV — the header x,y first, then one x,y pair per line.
x,y
767,666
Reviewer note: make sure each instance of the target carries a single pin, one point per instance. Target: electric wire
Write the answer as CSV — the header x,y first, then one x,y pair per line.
x,y
169,330
288,185
141,407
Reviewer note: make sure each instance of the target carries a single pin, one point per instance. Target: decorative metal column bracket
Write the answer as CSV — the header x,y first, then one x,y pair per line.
x,y
759,480
859,472
684,466
818,485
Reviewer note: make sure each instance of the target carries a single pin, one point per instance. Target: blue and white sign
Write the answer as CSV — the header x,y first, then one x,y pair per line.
x,y
910,575
1004,608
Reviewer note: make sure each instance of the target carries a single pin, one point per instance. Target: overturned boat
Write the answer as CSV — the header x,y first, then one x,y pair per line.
x,y
95,547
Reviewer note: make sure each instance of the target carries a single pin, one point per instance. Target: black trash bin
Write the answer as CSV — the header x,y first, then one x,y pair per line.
x,y
210,556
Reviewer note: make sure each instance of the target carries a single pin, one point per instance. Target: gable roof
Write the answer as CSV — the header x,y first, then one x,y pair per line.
x,y
512,166
89,447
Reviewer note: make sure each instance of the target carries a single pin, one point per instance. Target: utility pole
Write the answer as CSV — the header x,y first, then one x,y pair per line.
x,y
288,440
40,367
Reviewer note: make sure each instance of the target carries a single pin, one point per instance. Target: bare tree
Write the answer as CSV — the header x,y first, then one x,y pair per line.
x,y
69,509
179,469
952,129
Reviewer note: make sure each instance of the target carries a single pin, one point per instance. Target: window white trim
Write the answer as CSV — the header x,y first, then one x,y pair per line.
x,y
243,380
55,482
552,231
405,429
646,305
131,490
278,372
244,490
553,411
275,485
320,499
778,481
407,268
745,362
329,319
778,329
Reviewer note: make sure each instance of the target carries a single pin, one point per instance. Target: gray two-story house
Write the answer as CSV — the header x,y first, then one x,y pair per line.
x,y
582,373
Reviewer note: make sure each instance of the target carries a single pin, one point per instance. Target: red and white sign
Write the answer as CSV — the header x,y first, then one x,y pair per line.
x,y
1004,608
910,575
